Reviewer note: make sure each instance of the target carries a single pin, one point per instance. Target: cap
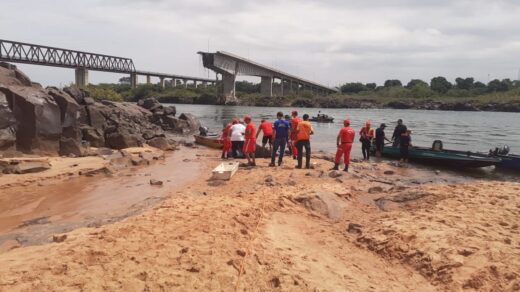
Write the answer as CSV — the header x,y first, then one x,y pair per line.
x,y
234,121
346,122
383,125
247,118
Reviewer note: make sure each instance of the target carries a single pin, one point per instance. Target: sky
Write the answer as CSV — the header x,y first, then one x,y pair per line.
x,y
329,41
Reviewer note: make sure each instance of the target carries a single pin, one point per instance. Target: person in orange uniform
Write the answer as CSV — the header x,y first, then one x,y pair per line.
x,y
250,141
367,133
294,135
267,128
226,141
344,142
303,136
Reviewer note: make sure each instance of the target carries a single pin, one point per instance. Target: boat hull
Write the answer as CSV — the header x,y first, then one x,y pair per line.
x,y
458,159
209,141
509,162
313,119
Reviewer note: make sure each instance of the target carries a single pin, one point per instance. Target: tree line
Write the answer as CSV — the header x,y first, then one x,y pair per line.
x,y
437,86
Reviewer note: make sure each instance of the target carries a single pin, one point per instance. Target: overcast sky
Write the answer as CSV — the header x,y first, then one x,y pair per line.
x,y
331,42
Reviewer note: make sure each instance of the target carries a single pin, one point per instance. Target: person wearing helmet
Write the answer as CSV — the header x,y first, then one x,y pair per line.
x,y
226,141
303,137
344,142
267,128
250,141
294,133
367,134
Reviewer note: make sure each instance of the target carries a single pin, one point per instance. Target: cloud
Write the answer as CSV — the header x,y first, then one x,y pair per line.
x,y
331,42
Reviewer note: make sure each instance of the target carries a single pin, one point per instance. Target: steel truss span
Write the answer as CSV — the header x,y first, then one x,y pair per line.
x,y
17,52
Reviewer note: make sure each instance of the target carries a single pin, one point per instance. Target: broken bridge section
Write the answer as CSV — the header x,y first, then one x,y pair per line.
x,y
229,66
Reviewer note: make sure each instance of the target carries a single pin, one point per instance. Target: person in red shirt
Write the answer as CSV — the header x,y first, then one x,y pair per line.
x,y
344,142
226,141
367,134
294,133
250,141
267,128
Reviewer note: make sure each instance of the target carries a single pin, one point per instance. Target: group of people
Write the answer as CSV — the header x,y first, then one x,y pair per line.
x,y
295,134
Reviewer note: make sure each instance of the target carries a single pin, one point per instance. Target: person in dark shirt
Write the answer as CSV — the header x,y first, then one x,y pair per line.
x,y
280,135
380,139
398,131
406,143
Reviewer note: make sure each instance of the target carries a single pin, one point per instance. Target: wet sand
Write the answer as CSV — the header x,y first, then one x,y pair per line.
x,y
378,228
37,206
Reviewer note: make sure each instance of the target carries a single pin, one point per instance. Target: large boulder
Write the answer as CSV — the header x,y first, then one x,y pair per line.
x,y
193,122
70,146
95,137
76,93
38,117
7,125
122,138
69,108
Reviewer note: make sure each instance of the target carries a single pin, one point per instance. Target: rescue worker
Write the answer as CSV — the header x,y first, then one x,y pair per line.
x,y
344,142
226,141
398,131
406,143
250,141
280,136
237,137
303,137
267,128
380,139
294,135
367,134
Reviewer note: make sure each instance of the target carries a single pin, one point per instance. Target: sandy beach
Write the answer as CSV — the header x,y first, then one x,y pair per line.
x,y
377,228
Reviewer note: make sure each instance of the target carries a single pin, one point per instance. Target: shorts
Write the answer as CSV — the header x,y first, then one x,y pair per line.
x,y
249,146
404,152
267,139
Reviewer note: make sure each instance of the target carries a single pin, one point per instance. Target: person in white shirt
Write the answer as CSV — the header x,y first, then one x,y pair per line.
x,y
237,138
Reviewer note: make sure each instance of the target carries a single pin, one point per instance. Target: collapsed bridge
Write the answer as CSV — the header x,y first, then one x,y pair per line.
x,y
229,66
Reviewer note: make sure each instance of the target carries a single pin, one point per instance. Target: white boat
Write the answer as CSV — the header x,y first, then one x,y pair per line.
x,y
225,171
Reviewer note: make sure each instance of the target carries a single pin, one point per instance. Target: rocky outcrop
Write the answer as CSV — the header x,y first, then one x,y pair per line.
x,y
53,121
7,125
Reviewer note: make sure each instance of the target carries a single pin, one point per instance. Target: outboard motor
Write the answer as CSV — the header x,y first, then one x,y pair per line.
x,y
504,150
437,145
203,131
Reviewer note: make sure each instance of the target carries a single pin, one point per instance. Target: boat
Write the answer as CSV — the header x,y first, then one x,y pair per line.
x,y
322,118
438,156
509,161
209,141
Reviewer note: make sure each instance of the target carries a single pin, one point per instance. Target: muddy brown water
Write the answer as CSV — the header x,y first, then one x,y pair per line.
x,y
31,215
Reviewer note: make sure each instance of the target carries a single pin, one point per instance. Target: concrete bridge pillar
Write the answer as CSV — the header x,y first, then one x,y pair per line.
x,y
281,86
133,80
185,83
161,82
228,87
81,77
266,86
148,79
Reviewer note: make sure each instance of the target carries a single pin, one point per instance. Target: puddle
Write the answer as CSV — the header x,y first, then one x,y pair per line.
x,y
33,214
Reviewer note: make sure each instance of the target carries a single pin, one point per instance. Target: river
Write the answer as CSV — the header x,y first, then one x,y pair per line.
x,y
475,131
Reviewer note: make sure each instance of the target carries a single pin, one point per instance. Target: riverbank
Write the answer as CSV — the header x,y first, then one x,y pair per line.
x,y
378,228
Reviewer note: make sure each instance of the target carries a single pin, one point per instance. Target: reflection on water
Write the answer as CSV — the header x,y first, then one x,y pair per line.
x,y
476,131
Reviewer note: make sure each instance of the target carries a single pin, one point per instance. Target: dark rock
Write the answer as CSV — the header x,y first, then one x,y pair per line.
x,y
7,125
70,146
149,103
122,139
155,182
89,101
389,172
38,117
76,93
96,118
160,143
30,166
68,106
374,190
335,174
176,124
59,238
169,110
94,136
354,228
192,121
